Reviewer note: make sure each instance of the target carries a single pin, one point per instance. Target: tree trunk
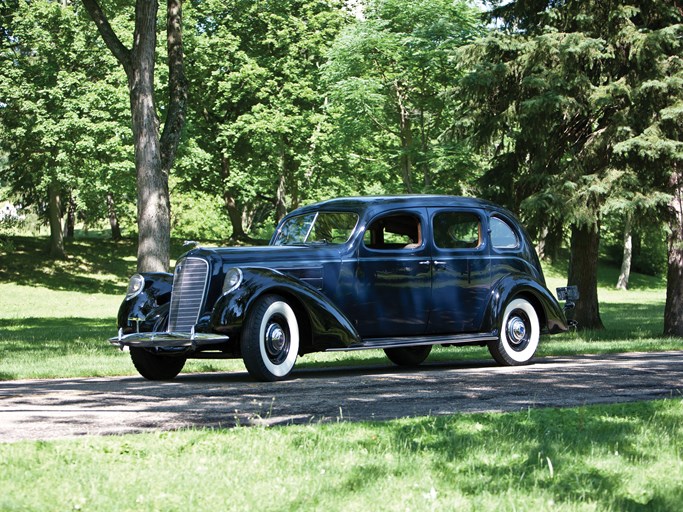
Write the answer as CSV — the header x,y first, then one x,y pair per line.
x,y
280,200
154,155
583,272
280,197
406,137
113,218
54,211
673,310
154,212
625,274
230,202
70,221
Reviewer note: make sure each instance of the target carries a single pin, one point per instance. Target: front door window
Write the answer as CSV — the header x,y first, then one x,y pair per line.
x,y
394,277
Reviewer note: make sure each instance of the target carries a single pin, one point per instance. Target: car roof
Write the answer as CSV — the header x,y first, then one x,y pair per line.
x,y
361,203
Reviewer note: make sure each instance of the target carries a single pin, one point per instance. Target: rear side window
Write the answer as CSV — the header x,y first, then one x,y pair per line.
x,y
457,230
502,235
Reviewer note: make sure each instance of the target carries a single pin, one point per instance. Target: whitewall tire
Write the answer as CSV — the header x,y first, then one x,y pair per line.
x,y
520,333
270,339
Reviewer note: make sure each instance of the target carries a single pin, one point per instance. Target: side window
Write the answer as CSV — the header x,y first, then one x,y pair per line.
x,y
457,230
502,235
397,231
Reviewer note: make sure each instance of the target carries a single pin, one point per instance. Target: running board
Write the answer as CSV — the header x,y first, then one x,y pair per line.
x,y
453,339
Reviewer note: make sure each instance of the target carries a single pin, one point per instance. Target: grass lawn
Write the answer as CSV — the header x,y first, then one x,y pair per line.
x,y
597,458
55,317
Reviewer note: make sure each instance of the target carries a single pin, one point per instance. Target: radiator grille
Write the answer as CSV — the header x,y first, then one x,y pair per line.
x,y
189,284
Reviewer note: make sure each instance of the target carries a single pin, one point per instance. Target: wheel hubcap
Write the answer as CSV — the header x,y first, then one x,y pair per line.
x,y
517,331
276,342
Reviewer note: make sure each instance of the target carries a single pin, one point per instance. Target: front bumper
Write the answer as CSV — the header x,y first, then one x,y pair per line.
x,y
162,340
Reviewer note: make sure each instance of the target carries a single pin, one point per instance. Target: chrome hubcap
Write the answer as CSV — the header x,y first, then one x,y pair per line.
x,y
276,342
516,330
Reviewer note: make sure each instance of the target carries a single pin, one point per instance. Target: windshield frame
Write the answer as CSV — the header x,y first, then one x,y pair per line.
x,y
281,239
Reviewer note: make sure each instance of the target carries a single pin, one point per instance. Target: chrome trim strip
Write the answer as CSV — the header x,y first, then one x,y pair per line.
x,y
375,343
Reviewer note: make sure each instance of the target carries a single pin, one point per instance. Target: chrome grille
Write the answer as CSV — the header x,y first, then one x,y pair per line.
x,y
189,284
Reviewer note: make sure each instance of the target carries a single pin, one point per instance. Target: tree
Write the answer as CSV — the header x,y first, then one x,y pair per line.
x,y
255,102
60,121
154,153
654,141
552,93
389,73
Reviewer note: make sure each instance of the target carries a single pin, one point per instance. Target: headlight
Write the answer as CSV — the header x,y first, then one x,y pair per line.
x,y
233,279
135,286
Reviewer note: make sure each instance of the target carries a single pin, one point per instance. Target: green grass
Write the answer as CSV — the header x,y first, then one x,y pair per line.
x,y
55,317
617,457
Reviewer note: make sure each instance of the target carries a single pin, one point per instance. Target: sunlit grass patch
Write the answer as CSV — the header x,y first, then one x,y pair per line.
x,y
616,457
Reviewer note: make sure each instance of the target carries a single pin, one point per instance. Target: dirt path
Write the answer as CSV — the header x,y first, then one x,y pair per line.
x,y
45,409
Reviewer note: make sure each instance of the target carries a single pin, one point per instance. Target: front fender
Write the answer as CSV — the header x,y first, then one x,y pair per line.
x,y
147,311
323,322
551,315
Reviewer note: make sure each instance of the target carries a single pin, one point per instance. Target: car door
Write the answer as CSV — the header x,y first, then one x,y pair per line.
x,y
393,276
461,270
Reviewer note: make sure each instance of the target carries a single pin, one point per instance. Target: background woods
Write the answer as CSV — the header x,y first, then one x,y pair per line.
x,y
211,119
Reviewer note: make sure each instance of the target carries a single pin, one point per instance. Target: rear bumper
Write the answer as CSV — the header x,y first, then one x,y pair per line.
x,y
167,339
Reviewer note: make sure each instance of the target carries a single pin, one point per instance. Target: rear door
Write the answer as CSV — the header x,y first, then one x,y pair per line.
x,y
461,270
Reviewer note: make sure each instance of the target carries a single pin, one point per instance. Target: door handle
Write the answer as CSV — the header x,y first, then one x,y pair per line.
x,y
426,262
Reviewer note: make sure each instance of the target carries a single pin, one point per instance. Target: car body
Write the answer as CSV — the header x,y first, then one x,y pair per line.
x,y
399,273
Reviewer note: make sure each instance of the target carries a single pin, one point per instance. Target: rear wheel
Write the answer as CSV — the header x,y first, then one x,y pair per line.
x,y
408,356
519,334
154,366
270,339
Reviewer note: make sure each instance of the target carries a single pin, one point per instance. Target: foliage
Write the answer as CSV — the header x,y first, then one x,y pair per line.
x,y
388,75
62,118
198,216
552,96
255,103
649,244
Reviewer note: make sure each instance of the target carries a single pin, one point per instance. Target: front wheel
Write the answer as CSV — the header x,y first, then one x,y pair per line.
x,y
156,367
270,339
519,334
408,356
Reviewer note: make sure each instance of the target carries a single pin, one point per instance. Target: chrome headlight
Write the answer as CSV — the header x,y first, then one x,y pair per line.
x,y
135,286
233,279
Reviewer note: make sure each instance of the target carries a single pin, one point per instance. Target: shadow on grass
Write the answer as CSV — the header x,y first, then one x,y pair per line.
x,y
93,265
577,455
89,261
632,320
608,275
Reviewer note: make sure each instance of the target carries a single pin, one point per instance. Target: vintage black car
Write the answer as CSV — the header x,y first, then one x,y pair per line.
x,y
399,273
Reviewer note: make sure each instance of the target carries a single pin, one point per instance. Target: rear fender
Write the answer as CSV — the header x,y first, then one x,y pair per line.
x,y
323,323
551,316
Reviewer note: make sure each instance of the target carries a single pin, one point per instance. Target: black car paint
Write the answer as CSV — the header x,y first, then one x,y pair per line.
x,y
348,295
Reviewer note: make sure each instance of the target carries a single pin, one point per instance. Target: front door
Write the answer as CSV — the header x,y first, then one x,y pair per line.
x,y
461,270
393,279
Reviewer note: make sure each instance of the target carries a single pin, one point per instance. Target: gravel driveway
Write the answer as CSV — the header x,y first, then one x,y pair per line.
x,y
45,409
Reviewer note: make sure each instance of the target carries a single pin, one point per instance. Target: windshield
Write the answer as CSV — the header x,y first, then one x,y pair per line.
x,y
316,228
